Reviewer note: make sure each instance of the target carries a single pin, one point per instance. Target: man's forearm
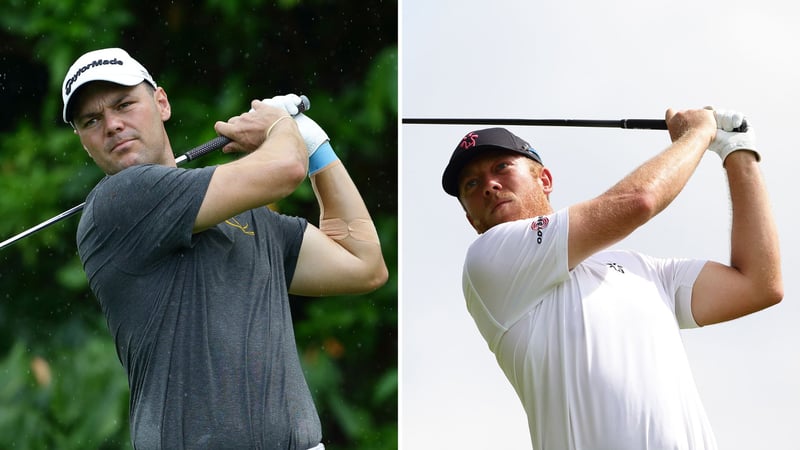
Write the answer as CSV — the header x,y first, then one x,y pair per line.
x,y
754,237
268,174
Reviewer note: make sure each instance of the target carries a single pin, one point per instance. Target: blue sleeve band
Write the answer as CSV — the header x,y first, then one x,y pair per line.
x,y
321,158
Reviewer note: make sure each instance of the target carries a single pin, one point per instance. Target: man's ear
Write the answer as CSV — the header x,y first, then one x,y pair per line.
x,y
162,102
546,180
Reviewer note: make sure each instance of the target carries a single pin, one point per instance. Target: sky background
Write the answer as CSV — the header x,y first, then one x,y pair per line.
x,y
594,60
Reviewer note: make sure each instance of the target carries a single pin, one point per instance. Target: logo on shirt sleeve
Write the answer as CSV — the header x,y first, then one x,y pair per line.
x,y
615,266
538,225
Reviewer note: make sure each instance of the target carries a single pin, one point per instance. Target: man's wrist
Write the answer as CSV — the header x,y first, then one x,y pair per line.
x,y
740,157
321,158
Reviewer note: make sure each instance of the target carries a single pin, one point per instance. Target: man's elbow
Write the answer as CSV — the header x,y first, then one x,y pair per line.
x,y
375,279
292,174
765,295
296,173
773,295
383,276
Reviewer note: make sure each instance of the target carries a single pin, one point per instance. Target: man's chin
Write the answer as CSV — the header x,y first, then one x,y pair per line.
x,y
119,166
486,226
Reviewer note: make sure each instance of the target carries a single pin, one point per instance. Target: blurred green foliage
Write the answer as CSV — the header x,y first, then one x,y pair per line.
x,y
61,383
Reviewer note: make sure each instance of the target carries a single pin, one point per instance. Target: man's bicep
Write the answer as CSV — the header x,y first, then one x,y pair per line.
x,y
721,293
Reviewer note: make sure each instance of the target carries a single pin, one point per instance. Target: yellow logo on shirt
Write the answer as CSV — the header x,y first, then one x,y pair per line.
x,y
236,224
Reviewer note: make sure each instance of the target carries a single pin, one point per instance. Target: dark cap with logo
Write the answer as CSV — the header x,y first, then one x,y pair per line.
x,y
478,142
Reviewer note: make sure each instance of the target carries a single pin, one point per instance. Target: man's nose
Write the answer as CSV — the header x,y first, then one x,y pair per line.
x,y
113,123
491,186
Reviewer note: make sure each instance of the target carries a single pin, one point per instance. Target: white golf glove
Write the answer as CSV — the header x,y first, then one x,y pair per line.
x,y
288,103
728,141
313,134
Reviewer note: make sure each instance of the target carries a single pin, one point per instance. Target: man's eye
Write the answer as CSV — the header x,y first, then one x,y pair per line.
x,y
502,165
470,184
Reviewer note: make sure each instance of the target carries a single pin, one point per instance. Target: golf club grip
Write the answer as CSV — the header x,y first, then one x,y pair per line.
x,y
654,124
204,149
221,141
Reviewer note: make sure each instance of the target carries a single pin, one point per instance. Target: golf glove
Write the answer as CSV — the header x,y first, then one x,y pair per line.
x,y
313,135
728,141
287,103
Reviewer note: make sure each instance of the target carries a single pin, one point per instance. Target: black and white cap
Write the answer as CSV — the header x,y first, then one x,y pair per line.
x,y
108,64
478,142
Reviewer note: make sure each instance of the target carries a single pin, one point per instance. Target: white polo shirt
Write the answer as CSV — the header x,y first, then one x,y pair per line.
x,y
595,354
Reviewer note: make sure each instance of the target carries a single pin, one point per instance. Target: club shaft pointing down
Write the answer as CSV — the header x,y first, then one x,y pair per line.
x,y
194,153
201,150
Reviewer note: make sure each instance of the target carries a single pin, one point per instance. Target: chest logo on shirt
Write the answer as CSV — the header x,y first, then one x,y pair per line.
x,y
244,228
538,225
616,267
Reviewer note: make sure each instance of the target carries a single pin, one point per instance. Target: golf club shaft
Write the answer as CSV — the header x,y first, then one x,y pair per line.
x,y
631,124
197,152
648,124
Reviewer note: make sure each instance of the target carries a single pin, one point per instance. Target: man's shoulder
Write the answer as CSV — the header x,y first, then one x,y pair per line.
x,y
537,229
128,176
147,176
142,171
643,264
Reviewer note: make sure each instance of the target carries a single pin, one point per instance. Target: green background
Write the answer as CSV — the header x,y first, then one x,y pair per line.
x,y
61,383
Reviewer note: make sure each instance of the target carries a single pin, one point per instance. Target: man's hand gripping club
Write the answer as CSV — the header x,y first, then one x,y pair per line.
x,y
727,140
320,152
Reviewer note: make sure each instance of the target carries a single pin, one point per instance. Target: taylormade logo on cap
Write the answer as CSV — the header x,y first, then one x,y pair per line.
x,y
99,62
114,65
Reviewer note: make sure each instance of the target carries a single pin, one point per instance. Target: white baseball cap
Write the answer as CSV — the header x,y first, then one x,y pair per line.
x,y
108,64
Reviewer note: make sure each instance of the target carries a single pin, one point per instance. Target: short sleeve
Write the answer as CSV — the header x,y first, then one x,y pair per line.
x,y
677,277
685,273
509,268
143,212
